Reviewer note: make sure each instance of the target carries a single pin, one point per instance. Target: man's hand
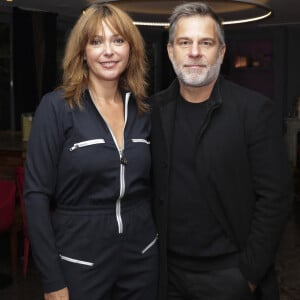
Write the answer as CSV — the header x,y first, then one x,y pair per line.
x,y
252,287
62,294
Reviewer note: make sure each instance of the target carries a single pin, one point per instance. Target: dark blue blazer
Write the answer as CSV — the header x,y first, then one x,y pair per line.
x,y
242,171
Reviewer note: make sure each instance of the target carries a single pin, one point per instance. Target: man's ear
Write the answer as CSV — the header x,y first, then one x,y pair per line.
x,y
170,51
222,51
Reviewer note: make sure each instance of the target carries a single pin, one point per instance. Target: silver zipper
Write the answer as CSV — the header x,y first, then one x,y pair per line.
x,y
123,163
87,143
122,166
150,245
140,141
76,261
122,192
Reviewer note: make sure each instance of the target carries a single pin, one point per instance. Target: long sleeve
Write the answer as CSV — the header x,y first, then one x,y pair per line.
x,y
271,182
43,153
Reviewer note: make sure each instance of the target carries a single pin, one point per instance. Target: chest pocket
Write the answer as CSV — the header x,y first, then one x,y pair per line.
x,y
86,143
140,141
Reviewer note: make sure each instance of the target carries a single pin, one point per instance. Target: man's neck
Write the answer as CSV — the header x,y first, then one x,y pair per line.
x,y
196,94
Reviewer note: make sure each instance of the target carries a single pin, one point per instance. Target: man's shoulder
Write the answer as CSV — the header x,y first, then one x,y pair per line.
x,y
235,90
244,99
166,95
158,96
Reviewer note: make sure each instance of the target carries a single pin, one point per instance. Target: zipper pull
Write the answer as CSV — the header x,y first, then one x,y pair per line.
x,y
123,159
74,147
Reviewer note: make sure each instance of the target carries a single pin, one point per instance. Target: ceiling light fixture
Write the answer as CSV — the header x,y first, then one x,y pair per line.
x,y
260,6
230,11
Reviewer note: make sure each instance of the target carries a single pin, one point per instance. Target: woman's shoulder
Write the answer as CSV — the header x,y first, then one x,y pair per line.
x,y
52,103
54,100
54,97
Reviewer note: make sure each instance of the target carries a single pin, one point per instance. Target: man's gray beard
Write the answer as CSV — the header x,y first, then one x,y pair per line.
x,y
199,80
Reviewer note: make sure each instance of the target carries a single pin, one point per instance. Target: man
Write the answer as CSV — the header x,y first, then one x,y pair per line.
x,y
220,172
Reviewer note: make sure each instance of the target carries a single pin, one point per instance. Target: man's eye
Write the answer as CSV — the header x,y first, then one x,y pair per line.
x,y
184,43
207,43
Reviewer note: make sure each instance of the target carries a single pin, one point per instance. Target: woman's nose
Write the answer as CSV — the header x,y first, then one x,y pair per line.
x,y
108,48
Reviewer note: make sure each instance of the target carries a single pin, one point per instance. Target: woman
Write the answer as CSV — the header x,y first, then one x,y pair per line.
x,y
88,155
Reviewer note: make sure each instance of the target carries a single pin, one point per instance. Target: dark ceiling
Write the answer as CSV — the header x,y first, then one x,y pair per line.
x,y
284,11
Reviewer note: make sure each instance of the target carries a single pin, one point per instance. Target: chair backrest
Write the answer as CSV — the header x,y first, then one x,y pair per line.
x,y
20,187
7,204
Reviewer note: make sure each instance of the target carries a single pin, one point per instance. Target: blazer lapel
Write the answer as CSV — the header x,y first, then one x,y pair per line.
x,y
167,117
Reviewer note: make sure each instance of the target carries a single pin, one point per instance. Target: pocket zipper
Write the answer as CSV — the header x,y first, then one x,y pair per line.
x,y
140,141
76,261
87,143
150,245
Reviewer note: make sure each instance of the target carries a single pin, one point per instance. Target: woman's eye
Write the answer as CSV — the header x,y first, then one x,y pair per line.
x,y
119,41
96,42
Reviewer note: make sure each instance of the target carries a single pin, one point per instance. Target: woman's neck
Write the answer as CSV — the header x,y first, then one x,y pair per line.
x,y
104,93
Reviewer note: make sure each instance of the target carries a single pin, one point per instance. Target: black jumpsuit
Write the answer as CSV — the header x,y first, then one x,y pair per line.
x,y
99,239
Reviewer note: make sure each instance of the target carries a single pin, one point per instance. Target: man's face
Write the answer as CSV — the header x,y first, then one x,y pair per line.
x,y
196,53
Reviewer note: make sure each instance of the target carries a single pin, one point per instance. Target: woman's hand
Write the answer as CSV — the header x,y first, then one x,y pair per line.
x,y
62,294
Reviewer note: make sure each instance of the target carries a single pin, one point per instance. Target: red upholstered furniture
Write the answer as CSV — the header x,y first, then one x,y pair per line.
x,y
7,204
7,217
20,184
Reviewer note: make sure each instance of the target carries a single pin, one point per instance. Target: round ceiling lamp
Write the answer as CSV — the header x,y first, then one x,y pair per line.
x,y
259,12
157,12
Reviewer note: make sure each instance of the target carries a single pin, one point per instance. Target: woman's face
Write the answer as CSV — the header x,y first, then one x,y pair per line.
x,y
107,55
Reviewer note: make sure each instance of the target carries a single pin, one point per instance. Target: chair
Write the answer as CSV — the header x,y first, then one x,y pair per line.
x,y
20,184
7,218
7,204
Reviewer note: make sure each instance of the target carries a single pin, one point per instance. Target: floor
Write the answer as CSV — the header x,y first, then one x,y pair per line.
x,y
288,261
288,267
22,288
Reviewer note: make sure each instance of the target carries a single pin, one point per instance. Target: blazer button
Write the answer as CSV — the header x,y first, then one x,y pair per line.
x,y
161,200
164,164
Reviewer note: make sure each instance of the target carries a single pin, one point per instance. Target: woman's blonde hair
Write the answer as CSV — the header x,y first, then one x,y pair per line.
x,y
75,70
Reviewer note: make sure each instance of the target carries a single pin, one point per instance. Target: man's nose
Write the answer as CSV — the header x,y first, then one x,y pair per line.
x,y
195,49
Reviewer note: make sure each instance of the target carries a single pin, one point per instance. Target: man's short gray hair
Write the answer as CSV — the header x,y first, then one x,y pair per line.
x,y
195,9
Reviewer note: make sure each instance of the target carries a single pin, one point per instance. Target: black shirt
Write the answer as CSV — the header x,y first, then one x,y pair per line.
x,y
194,231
